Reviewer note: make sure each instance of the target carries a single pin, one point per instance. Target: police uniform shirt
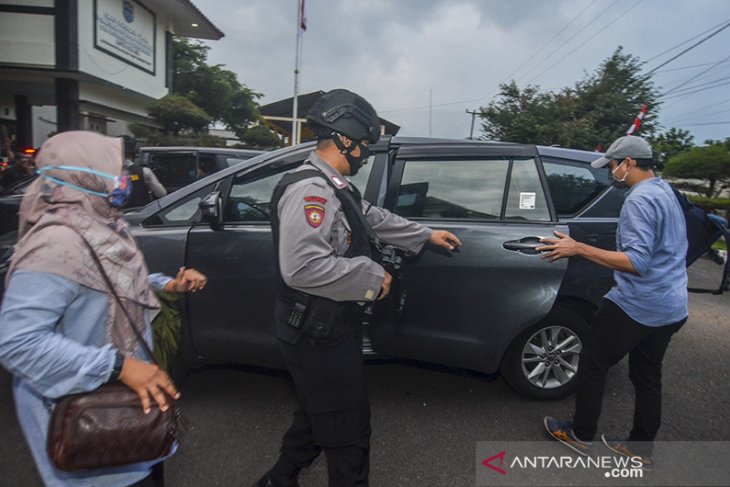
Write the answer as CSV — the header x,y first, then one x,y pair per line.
x,y
314,236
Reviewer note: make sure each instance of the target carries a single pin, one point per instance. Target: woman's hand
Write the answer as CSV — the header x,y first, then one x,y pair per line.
x,y
148,381
186,280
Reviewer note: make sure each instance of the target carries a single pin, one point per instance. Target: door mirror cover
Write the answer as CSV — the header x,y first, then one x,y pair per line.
x,y
211,208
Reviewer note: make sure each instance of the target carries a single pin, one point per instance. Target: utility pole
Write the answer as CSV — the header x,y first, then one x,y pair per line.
x,y
473,114
430,110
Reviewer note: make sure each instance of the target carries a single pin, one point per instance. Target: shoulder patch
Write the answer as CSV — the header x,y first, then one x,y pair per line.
x,y
315,199
339,182
314,215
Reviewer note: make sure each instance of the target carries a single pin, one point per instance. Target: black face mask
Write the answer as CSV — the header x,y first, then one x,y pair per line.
x,y
355,163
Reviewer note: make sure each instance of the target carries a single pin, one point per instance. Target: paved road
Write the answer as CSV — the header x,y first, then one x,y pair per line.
x,y
426,420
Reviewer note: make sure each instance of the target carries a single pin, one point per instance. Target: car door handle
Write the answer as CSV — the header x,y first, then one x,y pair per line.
x,y
525,245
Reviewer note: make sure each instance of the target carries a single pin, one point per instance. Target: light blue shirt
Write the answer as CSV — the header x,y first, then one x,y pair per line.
x,y
652,232
53,341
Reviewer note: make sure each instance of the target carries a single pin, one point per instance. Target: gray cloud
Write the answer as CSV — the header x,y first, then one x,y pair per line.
x,y
394,51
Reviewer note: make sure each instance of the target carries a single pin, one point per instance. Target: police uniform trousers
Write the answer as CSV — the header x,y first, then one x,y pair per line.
x,y
334,411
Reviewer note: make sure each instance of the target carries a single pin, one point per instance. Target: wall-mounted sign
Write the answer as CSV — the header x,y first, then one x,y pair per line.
x,y
125,29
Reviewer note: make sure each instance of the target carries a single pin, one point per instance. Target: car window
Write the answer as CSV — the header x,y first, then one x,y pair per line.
x,y
526,199
184,212
206,165
571,187
249,198
174,170
456,189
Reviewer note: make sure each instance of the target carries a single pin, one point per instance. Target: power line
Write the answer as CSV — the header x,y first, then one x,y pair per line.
x,y
424,107
594,19
684,67
458,123
695,77
557,34
701,108
701,41
586,41
706,123
699,75
685,42
699,85
699,90
704,115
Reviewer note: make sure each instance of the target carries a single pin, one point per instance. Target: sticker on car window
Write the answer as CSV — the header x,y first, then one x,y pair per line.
x,y
527,201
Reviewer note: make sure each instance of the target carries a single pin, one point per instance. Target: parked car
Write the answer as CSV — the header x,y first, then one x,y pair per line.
x,y
492,306
174,167
179,166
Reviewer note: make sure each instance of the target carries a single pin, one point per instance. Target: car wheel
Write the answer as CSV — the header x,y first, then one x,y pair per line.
x,y
542,362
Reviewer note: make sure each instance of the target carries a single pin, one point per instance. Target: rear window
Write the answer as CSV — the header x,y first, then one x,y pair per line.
x,y
572,186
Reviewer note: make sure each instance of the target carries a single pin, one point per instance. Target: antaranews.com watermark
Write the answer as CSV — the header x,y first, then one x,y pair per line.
x,y
548,463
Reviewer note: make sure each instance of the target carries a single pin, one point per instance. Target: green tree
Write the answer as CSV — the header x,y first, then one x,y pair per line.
x,y
669,144
261,137
592,113
214,89
176,114
711,164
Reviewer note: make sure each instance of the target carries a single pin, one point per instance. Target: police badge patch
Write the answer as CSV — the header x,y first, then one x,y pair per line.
x,y
314,215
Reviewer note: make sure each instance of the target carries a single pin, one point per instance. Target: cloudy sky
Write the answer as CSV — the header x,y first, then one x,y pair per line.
x,y
398,53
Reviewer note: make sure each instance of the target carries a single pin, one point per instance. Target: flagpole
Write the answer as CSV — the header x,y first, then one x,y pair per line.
x,y
295,108
637,121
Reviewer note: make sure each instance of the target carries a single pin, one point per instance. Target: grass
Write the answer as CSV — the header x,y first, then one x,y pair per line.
x,y
720,245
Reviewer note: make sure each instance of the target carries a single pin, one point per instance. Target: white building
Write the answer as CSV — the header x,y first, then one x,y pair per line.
x,y
87,64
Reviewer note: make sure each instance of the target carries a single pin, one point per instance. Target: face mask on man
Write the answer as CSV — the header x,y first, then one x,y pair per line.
x,y
356,163
119,194
619,183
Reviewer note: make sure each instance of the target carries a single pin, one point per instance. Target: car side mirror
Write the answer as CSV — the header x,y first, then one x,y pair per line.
x,y
211,208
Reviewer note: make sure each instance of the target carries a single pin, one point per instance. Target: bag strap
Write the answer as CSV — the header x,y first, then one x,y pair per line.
x,y
108,281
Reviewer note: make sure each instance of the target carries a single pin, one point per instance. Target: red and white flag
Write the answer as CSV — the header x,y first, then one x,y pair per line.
x,y
302,18
637,121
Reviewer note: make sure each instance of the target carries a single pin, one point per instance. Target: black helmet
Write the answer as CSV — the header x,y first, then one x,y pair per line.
x,y
346,113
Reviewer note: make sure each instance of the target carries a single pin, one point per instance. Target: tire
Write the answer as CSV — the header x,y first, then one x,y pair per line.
x,y
532,366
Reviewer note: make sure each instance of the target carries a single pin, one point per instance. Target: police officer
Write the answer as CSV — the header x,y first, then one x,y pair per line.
x,y
328,243
144,181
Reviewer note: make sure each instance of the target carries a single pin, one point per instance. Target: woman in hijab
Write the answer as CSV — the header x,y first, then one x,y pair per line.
x,y
61,331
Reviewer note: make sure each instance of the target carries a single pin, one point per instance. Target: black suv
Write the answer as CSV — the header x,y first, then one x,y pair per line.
x,y
492,306
179,166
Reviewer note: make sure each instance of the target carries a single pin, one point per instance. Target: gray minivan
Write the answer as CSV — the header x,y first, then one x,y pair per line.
x,y
492,306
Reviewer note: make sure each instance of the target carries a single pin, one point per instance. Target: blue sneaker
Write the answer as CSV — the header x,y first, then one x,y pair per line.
x,y
623,447
563,432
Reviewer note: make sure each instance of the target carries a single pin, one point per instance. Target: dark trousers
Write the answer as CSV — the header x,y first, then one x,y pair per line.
x,y
613,335
334,412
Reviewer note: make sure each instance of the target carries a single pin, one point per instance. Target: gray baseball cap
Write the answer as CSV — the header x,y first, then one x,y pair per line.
x,y
623,147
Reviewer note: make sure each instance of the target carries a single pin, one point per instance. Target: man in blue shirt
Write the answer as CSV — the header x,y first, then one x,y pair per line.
x,y
639,315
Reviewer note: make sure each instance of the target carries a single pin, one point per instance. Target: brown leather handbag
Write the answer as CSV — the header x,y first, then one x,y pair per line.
x,y
107,427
